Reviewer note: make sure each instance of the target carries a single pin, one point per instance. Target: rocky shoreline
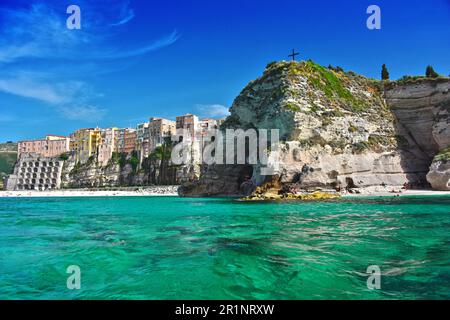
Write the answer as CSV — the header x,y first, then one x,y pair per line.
x,y
273,192
271,195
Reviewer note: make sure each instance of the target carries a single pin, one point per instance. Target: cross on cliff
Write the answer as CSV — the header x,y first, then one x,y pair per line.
x,y
293,54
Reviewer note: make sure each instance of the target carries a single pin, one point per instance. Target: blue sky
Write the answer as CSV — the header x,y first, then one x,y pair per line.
x,y
140,58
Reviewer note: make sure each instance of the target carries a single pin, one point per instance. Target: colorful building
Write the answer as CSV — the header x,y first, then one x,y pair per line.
x,y
84,143
51,146
108,145
126,141
143,140
160,129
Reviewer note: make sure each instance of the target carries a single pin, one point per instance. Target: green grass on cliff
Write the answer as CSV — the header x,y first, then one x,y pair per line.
x,y
330,82
444,155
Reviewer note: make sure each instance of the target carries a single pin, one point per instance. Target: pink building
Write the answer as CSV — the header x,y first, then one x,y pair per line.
x,y
107,145
51,146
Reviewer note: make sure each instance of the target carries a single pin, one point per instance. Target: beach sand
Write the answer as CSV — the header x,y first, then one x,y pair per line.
x,y
143,192
172,191
390,191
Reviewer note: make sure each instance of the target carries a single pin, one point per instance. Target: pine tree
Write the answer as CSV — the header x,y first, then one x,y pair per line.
x,y
384,72
430,73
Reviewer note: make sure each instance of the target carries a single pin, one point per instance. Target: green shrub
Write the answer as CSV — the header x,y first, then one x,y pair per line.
x,y
63,156
134,161
314,140
444,155
374,142
292,107
328,81
271,64
384,72
360,147
122,160
338,143
430,73
352,128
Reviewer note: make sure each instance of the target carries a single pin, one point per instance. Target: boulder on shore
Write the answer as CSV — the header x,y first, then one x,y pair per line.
x,y
439,175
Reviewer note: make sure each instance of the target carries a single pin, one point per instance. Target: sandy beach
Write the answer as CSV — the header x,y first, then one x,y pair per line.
x,y
389,191
142,192
172,191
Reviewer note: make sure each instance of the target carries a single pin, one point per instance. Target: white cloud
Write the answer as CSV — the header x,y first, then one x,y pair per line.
x,y
36,33
127,14
87,113
70,99
29,89
41,33
213,110
40,57
158,44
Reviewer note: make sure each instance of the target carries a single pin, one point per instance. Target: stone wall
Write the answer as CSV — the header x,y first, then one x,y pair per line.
x,y
33,172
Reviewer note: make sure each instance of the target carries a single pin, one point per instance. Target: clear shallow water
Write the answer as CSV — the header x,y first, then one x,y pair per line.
x,y
175,248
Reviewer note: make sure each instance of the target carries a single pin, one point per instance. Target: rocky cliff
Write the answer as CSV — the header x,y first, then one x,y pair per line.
x,y
121,170
337,129
422,108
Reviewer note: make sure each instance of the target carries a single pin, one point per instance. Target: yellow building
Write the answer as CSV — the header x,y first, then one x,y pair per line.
x,y
84,143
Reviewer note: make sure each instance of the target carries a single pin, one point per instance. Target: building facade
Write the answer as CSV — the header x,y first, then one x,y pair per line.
x,y
84,143
126,141
207,124
143,140
130,141
34,172
159,130
187,127
187,132
109,139
51,146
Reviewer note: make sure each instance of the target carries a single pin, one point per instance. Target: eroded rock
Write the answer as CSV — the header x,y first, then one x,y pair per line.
x,y
339,130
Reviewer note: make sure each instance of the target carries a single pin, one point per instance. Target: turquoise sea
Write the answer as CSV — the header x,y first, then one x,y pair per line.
x,y
178,248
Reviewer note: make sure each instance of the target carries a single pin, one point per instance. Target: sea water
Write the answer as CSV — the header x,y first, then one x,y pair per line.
x,y
180,248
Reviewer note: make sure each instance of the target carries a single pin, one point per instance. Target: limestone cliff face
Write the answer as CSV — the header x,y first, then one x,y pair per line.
x,y
423,111
90,175
337,129
422,108
117,173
